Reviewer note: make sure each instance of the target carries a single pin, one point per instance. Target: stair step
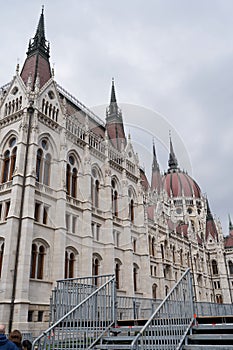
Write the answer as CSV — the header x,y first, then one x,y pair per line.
x,y
205,336
206,347
118,339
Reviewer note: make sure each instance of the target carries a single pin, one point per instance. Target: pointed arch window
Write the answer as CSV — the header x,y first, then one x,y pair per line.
x,y
214,267
69,263
114,199
153,246
95,268
37,260
9,161
43,163
131,205
95,188
117,273
154,291
71,176
135,277
1,256
230,265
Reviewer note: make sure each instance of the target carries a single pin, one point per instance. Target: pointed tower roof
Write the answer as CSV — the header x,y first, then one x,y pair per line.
x,y
114,122
156,179
37,61
228,242
230,224
172,162
210,224
113,93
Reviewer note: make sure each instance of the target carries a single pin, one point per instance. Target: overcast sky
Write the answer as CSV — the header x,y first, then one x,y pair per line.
x,y
172,64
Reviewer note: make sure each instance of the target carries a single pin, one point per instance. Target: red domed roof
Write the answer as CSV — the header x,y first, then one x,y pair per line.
x,y
178,184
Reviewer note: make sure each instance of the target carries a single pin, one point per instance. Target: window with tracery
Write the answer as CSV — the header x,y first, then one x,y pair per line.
x,y
95,188
9,160
37,260
131,205
69,263
96,268
214,267
43,163
71,176
114,199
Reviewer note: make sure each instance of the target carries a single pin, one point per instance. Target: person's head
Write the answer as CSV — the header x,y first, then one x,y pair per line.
x,y
16,337
27,345
2,329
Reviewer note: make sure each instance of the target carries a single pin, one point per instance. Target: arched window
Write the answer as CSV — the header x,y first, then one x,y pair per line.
x,y
43,163
153,246
117,273
96,268
173,255
154,291
149,243
219,299
37,260
135,277
230,264
166,290
69,263
9,161
162,251
71,176
1,256
131,205
95,188
181,257
214,267
114,199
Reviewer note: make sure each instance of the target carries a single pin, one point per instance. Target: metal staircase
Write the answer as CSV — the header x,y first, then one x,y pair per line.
x,y
165,329
87,314
213,333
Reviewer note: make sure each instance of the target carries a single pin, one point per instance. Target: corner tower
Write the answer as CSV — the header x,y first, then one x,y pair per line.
x,y
37,62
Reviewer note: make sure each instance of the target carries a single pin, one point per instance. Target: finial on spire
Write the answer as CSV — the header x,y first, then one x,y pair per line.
x,y
172,162
42,9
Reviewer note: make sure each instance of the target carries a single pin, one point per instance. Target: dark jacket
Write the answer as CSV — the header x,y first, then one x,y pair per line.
x,y
6,344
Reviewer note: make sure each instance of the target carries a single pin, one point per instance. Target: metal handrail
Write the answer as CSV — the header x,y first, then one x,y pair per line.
x,y
84,324
171,321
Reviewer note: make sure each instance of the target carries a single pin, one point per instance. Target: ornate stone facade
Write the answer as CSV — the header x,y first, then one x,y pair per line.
x,y
75,202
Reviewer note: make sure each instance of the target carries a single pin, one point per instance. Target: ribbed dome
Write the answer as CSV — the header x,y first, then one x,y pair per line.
x,y
178,184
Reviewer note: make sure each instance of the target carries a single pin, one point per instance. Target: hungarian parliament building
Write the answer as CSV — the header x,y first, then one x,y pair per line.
x,y
74,201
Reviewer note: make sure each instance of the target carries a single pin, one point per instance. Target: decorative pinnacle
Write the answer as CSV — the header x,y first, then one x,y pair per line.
x,y
172,162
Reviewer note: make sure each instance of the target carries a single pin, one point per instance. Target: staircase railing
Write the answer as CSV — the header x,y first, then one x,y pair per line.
x,y
83,325
169,324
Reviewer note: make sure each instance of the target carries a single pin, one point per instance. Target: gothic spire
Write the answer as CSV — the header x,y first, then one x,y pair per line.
x,y
114,122
155,165
230,224
172,162
37,61
39,42
156,179
113,93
